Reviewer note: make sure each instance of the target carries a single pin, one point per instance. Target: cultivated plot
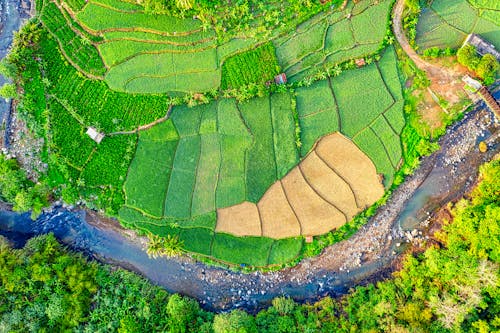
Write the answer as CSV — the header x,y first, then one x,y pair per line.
x,y
446,23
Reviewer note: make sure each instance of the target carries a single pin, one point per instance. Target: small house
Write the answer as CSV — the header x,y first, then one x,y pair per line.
x,y
482,46
360,62
280,78
94,135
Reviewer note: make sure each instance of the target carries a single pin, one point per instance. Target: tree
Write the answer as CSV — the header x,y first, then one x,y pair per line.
x,y
236,321
8,91
182,312
487,68
468,57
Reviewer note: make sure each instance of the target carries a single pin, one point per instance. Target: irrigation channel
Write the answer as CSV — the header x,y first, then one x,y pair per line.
x,y
367,256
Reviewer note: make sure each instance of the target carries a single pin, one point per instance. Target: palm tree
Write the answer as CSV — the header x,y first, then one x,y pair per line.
x,y
184,4
155,246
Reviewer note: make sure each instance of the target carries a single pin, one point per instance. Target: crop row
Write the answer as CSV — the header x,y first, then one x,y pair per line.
x,y
254,66
79,50
98,105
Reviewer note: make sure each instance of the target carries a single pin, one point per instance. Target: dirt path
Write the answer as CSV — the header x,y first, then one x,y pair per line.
x,y
445,82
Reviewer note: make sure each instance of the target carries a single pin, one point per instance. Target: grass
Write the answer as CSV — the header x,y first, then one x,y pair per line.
x,y
260,159
254,66
88,98
231,188
198,240
78,49
285,250
149,174
100,18
298,46
361,97
396,117
207,175
339,37
369,143
182,179
367,26
241,250
447,23
68,136
389,138
285,147
108,165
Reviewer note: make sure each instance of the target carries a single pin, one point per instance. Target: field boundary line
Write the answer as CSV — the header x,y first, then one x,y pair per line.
x,y
385,148
164,51
290,205
385,82
319,194
272,138
157,41
336,103
356,199
77,67
106,6
143,212
147,126
446,22
270,251
128,169
196,171
141,29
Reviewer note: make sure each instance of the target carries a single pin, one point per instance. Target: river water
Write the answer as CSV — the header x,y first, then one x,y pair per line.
x,y
368,255
12,14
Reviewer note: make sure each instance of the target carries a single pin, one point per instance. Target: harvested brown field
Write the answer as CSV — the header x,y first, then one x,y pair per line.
x,y
350,163
240,220
331,185
316,216
328,184
278,218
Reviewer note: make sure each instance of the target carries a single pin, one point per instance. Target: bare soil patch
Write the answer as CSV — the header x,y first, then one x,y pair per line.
x,y
328,184
331,185
278,218
350,163
316,216
240,220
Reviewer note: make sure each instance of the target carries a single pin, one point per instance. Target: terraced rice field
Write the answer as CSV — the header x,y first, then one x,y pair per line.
x,y
330,39
236,181
446,23
138,53
320,194
233,167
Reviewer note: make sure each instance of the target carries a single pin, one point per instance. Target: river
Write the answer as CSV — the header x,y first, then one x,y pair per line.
x,y
445,175
368,255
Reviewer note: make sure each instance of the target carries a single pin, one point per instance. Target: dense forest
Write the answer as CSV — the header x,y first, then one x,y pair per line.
x,y
451,286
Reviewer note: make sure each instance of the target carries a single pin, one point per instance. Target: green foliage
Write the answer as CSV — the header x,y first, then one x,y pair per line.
x,y
236,321
59,286
16,188
487,68
468,57
255,66
77,47
8,91
168,246
451,287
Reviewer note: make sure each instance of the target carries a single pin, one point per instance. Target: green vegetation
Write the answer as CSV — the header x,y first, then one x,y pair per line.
x,y
450,286
486,67
15,187
255,66
446,23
